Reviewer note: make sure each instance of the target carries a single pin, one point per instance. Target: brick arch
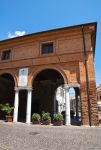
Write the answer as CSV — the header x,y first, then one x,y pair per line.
x,y
37,71
12,74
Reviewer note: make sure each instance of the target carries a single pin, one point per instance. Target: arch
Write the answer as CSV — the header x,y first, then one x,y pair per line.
x,y
34,73
7,76
12,74
7,93
46,79
75,104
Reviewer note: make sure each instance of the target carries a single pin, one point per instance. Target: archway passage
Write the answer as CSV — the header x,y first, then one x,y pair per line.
x,y
44,86
75,106
22,105
7,92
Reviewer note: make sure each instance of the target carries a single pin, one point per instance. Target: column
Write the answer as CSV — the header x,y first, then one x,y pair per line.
x,y
16,105
76,97
67,109
59,107
54,111
28,113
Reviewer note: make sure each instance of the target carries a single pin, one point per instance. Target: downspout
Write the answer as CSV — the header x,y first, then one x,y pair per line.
x,y
87,78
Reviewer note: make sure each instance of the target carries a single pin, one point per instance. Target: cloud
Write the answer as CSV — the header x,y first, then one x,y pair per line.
x,y
16,34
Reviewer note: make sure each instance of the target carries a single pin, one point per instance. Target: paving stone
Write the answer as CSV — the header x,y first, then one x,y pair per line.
x,y
39,137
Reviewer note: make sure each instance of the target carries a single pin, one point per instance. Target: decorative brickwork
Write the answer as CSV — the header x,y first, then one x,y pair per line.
x,y
93,103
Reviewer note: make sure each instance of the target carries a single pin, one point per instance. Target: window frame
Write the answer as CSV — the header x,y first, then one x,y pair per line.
x,y
3,55
46,43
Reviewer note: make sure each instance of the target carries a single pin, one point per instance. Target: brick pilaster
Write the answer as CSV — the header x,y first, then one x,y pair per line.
x,y
93,103
84,105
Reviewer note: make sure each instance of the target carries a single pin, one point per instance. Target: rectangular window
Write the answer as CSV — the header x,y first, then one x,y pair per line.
x,y
47,48
6,55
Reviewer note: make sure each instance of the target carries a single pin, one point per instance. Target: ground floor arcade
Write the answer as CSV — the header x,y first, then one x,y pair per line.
x,y
48,92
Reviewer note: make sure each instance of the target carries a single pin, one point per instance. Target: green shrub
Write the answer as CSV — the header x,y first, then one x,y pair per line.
x,y
6,108
46,116
58,117
36,117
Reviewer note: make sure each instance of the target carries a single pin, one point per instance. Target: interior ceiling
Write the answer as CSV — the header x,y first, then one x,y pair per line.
x,y
7,76
48,74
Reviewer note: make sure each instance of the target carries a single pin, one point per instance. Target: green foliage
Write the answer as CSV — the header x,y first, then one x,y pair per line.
x,y
58,117
46,116
36,117
6,108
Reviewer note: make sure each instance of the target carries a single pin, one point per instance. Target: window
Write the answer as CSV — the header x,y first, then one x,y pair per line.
x,y
47,48
6,54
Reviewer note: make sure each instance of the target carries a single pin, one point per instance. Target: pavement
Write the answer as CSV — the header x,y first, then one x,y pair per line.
x,y
21,136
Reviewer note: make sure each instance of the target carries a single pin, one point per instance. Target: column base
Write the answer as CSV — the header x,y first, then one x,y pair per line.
x,y
28,122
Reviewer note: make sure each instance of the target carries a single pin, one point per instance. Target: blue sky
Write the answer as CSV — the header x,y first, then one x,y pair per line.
x,y
19,17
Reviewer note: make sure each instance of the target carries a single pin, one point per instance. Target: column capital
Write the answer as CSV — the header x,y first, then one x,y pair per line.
x,y
66,87
29,88
23,88
16,89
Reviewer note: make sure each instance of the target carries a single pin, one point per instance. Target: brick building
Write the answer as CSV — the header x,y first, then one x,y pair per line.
x,y
33,66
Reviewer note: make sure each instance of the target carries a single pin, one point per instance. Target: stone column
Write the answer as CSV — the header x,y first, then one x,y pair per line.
x,y
54,104
59,107
76,98
16,105
28,113
67,109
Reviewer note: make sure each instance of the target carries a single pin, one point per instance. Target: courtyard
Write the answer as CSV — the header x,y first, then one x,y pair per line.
x,y
22,136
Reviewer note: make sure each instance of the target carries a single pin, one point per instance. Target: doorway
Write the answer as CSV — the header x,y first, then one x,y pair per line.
x,y
22,105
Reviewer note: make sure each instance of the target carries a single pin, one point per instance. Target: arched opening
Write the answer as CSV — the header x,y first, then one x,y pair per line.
x,y
74,98
75,106
7,92
44,87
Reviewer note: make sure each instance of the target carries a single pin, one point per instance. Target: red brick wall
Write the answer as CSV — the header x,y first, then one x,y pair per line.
x,y
68,58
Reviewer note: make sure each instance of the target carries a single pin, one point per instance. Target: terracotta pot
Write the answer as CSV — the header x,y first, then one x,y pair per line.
x,y
46,122
58,123
36,122
9,118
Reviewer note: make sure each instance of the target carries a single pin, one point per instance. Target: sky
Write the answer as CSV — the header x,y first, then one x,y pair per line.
x,y
20,17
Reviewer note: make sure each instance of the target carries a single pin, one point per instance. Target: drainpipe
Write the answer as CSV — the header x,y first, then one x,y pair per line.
x,y
87,78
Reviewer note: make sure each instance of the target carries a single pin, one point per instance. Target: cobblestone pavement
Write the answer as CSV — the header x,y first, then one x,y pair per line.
x,y
38,137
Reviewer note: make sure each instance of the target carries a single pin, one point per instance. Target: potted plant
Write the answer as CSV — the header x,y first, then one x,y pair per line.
x,y
36,118
58,119
8,110
46,118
